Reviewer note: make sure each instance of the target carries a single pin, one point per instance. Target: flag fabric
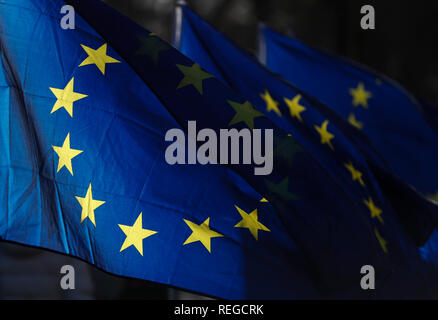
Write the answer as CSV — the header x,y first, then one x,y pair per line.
x,y
83,172
327,137
431,115
384,111
83,169
288,107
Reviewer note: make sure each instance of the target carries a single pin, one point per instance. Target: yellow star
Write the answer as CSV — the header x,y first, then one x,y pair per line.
x,y
244,113
354,122
433,197
356,175
264,200
66,154
382,241
97,57
281,189
326,136
193,75
66,98
251,222
294,107
201,233
360,95
135,235
88,205
375,211
271,104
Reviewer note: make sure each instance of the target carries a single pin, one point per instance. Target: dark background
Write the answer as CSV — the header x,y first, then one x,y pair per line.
x,y
403,46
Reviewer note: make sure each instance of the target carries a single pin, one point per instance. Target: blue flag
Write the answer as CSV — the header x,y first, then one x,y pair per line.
x,y
386,113
334,145
431,115
83,170
85,113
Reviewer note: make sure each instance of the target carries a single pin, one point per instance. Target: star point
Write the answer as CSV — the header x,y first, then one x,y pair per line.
x,y
88,205
193,75
135,234
295,108
250,221
356,175
66,154
98,57
201,233
271,104
375,211
326,136
66,97
360,95
245,112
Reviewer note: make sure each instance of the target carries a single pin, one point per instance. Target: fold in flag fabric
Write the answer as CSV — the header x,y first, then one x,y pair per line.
x,y
344,153
377,106
83,171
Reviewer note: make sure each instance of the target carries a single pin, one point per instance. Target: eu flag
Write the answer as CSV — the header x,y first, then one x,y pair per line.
x,y
431,115
385,112
83,169
344,153
83,172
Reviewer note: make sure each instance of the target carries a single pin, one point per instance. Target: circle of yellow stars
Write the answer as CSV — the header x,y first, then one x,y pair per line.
x,y
136,233
194,76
